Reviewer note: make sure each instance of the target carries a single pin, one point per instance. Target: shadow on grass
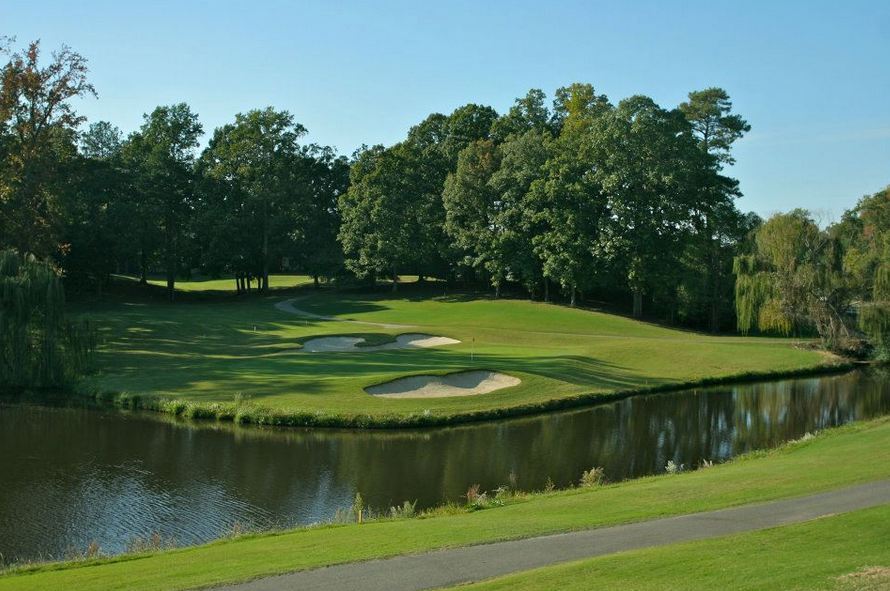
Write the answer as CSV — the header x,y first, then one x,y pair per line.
x,y
173,365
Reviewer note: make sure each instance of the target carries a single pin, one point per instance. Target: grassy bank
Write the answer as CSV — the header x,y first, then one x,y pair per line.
x,y
845,456
239,359
847,552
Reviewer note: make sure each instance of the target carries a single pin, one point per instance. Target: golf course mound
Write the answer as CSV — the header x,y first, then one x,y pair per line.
x,y
465,383
341,344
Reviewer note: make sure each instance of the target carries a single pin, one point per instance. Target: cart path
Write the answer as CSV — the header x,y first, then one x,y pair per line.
x,y
444,568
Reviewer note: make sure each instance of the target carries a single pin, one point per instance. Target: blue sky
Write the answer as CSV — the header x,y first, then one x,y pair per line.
x,y
812,78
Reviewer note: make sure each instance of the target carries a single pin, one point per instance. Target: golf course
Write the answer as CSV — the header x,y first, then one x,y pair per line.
x,y
394,296
264,359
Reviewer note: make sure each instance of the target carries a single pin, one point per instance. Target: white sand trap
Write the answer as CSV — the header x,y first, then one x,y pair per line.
x,y
465,383
351,344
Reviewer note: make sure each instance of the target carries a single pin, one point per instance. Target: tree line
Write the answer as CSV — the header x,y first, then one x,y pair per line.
x,y
584,198
575,198
800,278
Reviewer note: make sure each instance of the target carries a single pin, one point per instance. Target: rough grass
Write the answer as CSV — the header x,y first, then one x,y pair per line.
x,y
845,456
828,554
205,353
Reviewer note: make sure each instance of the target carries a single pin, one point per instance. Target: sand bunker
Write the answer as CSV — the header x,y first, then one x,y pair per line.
x,y
466,383
351,344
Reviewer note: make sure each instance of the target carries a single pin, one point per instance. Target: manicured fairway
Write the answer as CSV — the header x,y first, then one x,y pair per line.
x,y
224,285
849,552
217,349
848,455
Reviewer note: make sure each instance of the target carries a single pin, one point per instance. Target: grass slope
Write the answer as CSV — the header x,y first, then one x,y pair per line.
x,y
831,554
848,455
211,351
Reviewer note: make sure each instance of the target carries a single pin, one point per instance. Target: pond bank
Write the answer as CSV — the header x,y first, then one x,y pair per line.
x,y
247,412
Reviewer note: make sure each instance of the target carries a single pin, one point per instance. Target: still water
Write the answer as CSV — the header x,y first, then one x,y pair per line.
x,y
69,476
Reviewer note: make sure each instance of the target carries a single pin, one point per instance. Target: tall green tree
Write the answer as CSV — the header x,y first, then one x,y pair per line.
x,y
565,205
259,161
38,125
717,225
96,214
647,166
717,128
475,214
522,161
864,233
161,158
318,252
380,230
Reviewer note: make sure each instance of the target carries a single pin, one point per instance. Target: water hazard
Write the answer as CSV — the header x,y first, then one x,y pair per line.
x,y
72,476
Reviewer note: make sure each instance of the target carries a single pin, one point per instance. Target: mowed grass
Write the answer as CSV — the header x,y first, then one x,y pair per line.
x,y
215,349
848,455
226,285
849,552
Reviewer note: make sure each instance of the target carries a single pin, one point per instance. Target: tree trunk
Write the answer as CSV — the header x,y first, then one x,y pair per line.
x,y
546,290
395,281
714,283
265,271
572,301
638,304
143,264
497,290
315,281
170,248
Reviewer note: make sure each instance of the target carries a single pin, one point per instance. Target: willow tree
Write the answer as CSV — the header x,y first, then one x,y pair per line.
x,y
874,316
39,347
865,230
794,282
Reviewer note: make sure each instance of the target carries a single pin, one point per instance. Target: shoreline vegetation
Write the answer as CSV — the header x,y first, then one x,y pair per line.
x,y
244,411
785,471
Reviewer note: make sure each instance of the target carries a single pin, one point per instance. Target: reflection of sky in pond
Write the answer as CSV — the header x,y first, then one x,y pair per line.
x,y
72,476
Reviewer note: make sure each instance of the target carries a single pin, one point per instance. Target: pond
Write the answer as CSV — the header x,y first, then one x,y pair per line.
x,y
71,476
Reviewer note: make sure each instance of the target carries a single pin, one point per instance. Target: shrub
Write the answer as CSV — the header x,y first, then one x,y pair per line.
x,y
673,468
596,476
406,511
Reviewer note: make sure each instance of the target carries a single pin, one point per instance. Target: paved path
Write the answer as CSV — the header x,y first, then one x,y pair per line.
x,y
288,306
461,565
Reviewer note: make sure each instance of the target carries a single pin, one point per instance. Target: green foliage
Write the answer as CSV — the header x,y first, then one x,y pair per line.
x,y
39,348
38,124
794,282
263,193
709,112
160,158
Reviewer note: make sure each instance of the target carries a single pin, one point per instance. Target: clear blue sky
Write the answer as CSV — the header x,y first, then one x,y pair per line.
x,y
812,77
